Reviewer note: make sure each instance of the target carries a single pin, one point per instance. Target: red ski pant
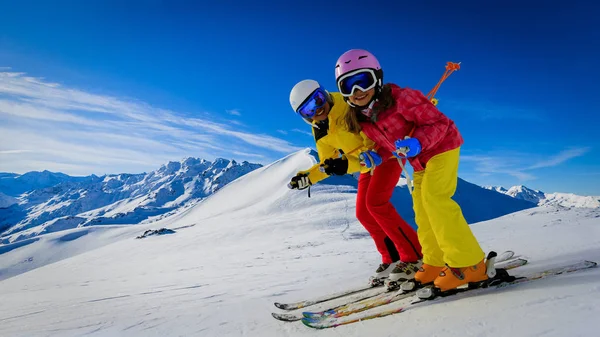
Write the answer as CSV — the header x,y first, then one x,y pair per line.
x,y
394,238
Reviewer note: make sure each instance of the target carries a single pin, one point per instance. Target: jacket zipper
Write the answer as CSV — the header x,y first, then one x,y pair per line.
x,y
384,135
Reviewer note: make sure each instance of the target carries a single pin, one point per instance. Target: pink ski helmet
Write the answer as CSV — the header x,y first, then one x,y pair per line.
x,y
355,59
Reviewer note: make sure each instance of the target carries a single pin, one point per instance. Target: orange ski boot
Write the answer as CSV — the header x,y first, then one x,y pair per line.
x,y
452,278
427,273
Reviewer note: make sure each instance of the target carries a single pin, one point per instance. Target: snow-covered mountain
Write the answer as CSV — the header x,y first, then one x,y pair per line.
x,y
524,193
571,200
6,201
540,198
112,199
13,184
255,242
496,188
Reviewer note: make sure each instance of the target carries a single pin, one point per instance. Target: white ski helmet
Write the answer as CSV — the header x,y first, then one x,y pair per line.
x,y
301,91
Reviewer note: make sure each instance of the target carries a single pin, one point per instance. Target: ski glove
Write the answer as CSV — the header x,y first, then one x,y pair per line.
x,y
369,159
299,182
337,166
407,148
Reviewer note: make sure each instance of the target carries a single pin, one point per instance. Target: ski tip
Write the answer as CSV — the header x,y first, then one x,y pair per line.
x,y
285,317
309,323
591,263
282,306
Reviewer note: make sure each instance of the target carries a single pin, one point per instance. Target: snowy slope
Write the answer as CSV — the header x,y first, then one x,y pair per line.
x,y
255,242
540,198
117,199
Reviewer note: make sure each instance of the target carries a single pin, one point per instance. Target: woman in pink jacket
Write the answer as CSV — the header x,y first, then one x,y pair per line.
x,y
403,121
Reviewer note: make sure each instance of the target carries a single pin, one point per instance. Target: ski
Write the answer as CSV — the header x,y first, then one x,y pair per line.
x,y
350,298
366,299
325,298
331,322
386,298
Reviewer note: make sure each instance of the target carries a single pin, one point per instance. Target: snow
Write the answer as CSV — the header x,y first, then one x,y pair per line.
x,y
255,242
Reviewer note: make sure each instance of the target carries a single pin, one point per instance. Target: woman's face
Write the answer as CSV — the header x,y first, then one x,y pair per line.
x,y
361,98
322,113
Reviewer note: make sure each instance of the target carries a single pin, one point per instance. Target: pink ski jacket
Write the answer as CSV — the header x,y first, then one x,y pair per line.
x,y
412,110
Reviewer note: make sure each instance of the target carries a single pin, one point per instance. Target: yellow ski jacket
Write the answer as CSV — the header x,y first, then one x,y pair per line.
x,y
333,140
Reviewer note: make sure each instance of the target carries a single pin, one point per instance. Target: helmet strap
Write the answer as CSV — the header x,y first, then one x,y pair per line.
x,y
368,111
309,122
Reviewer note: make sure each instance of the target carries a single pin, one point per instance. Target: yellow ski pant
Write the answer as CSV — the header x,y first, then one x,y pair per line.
x,y
443,232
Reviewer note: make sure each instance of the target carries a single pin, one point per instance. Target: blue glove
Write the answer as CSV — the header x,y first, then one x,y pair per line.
x,y
369,159
407,148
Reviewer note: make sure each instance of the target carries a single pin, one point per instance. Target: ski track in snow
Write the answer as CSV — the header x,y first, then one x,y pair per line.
x,y
256,242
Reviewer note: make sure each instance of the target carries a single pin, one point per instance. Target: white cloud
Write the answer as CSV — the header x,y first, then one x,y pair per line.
x,y
283,132
250,155
512,163
308,133
26,110
490,165
14,151
234,112
560,158
47,124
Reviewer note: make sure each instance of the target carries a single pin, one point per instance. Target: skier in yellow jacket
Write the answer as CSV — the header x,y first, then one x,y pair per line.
x,y
339,152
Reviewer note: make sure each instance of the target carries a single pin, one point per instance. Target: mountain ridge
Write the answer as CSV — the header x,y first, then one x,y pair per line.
x,y
541,198
113,198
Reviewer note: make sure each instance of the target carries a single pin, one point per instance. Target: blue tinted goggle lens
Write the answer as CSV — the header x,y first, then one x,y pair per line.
x,y
363,80
312,104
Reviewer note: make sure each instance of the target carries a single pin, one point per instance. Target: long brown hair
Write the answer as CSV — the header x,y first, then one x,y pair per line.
x,y
384,101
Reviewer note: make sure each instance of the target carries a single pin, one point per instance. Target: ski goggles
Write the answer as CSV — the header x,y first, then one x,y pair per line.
x,y
363,79
313,103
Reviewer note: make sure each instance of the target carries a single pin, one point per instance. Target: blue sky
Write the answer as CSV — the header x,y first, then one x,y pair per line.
x,y
124,86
